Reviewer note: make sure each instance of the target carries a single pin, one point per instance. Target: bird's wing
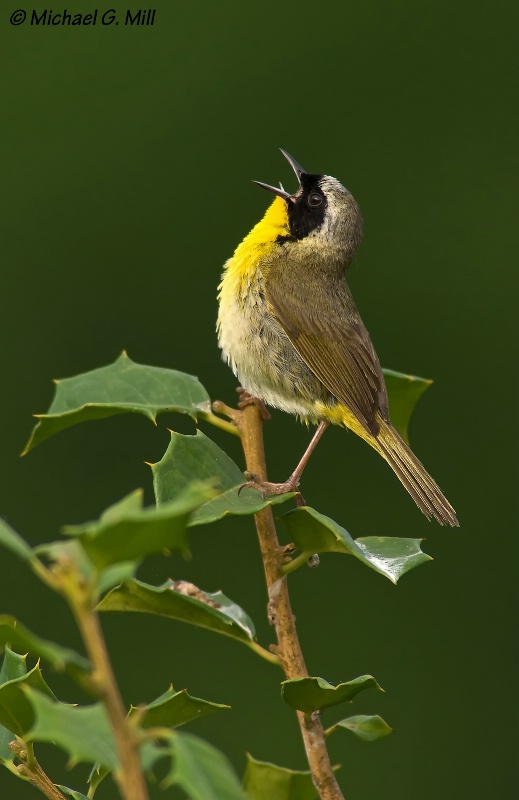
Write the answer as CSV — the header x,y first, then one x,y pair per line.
x,y
329,335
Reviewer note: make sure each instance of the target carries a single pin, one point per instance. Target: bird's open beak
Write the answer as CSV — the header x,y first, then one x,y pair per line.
x,y
298,169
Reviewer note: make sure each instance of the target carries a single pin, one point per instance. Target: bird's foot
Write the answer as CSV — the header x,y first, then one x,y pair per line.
x,y
267,488
288,552
247,399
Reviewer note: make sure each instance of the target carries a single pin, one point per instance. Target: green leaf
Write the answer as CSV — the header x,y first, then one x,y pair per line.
x,y
173,709
115,574
16,713
13,541
83,732
71,553
170,710
197,457
183,601
120,388
403,391
67,552
368,728
20,638
391,556
315,694
73,793
196,766
98,773
201,770
264,781
128,532
150,753
13,666
6,737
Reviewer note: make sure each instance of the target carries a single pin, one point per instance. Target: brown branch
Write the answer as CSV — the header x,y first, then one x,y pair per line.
x,y
249,423
31,770
129,776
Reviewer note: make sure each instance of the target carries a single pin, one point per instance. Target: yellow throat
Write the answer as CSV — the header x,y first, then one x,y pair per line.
x,y
240,269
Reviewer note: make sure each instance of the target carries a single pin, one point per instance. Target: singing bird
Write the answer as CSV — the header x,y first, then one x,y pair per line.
x,y
290,330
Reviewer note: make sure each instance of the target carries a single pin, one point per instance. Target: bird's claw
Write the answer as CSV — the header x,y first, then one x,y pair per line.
x,y
267,488
252,483
247,399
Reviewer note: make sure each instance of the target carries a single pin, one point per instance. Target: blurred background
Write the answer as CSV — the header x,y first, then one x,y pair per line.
x,y
127,159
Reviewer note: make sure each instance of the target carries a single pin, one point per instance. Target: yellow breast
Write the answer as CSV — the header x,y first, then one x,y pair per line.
x,y
240,270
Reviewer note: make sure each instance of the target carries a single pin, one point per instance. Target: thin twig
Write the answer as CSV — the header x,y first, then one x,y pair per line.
x,y
296,563
270,657
129,776
30,769
228,427
249,422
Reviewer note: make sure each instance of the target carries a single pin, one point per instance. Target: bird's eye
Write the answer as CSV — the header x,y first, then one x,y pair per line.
x,y
315,199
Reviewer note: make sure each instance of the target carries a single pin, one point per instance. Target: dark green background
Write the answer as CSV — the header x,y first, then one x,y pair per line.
x,y
127,159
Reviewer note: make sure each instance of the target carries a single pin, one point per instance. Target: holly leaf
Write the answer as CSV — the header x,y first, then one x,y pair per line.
x,y
173,709
403,391
84,732
368,728
16,712
120,388
13,666
202,771
197,457
13,541
264,781
71,552
128,532
315,694
21,639
73,793
185,602
391,556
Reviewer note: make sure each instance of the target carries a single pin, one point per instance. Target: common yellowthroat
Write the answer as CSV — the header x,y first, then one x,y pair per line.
x,y
289,328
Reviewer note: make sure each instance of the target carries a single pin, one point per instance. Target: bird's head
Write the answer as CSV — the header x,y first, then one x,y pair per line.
x,y
322,211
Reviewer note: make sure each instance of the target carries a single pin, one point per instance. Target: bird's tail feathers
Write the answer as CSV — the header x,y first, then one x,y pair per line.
x,y
414,477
